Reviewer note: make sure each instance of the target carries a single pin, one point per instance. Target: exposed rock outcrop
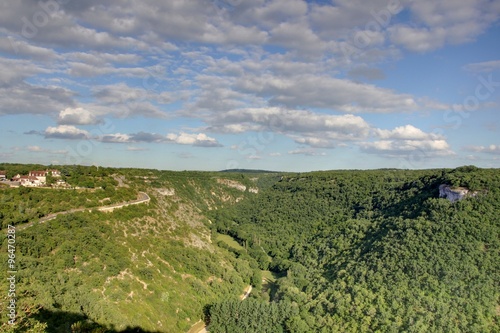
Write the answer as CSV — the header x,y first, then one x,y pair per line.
x,y
454,194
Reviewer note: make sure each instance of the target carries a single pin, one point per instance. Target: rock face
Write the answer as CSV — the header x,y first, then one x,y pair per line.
x,y
454,194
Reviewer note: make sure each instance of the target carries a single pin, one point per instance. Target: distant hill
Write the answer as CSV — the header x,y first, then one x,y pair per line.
x,y
248,171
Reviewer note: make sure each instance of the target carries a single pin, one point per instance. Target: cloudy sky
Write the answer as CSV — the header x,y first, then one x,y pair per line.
x,y
288,85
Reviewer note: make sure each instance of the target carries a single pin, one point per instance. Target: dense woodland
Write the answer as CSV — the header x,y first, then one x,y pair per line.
x,y
339,251
375,251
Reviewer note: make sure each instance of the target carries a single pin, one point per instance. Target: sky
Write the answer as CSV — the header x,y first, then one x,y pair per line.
x,y
288,85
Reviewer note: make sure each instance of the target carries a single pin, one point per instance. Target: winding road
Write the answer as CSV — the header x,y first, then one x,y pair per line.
x,y
141,198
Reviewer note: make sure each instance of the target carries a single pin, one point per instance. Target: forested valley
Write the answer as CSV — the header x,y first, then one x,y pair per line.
x,y
329,251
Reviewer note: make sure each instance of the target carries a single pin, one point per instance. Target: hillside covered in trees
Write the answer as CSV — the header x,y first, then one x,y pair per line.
x,y
375,251
332,251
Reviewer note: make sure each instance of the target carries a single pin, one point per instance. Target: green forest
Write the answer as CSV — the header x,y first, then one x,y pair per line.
x,y
329,251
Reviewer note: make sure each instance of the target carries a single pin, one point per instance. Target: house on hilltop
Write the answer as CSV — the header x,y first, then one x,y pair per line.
x,y
36,178
40,175
3,175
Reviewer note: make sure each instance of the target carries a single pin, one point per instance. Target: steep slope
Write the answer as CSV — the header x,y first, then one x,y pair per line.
x,y
150,266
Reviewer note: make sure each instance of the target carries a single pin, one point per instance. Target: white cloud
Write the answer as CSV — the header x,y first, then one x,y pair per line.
x,y
38,149
121,100
405,140
34,149
427,148
444,22
199,140
418,39
131,148
77,116
133,138
66,132
254,157
307,152
491,149
26,98
297,36
79,69
327,92
482,67
116,138
304,127
18,47
408,132
316,142
14,71
17,96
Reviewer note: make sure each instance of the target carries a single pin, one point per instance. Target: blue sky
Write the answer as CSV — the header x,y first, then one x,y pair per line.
x,y
288,85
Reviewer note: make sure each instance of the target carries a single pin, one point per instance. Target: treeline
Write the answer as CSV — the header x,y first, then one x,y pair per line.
x,y
378,251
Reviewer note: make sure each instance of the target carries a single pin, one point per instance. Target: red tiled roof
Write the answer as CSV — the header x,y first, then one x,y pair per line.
x,y
29,177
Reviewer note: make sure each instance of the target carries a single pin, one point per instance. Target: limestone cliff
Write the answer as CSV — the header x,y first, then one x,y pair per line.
x,y
454,194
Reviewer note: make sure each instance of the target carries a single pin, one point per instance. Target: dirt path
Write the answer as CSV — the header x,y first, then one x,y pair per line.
x,y
248,290
141,198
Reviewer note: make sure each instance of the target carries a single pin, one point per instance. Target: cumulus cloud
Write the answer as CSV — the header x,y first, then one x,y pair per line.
x,y
406,140
133,138
21,48
121,100
17,96
315,129
327,92
115,138
220,66
444,22
199,140
77,116
424,147
407,132
66,132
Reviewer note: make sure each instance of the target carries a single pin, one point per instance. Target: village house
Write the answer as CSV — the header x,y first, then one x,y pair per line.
x,y
28,181
40,175
55,173
36,178
3,175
